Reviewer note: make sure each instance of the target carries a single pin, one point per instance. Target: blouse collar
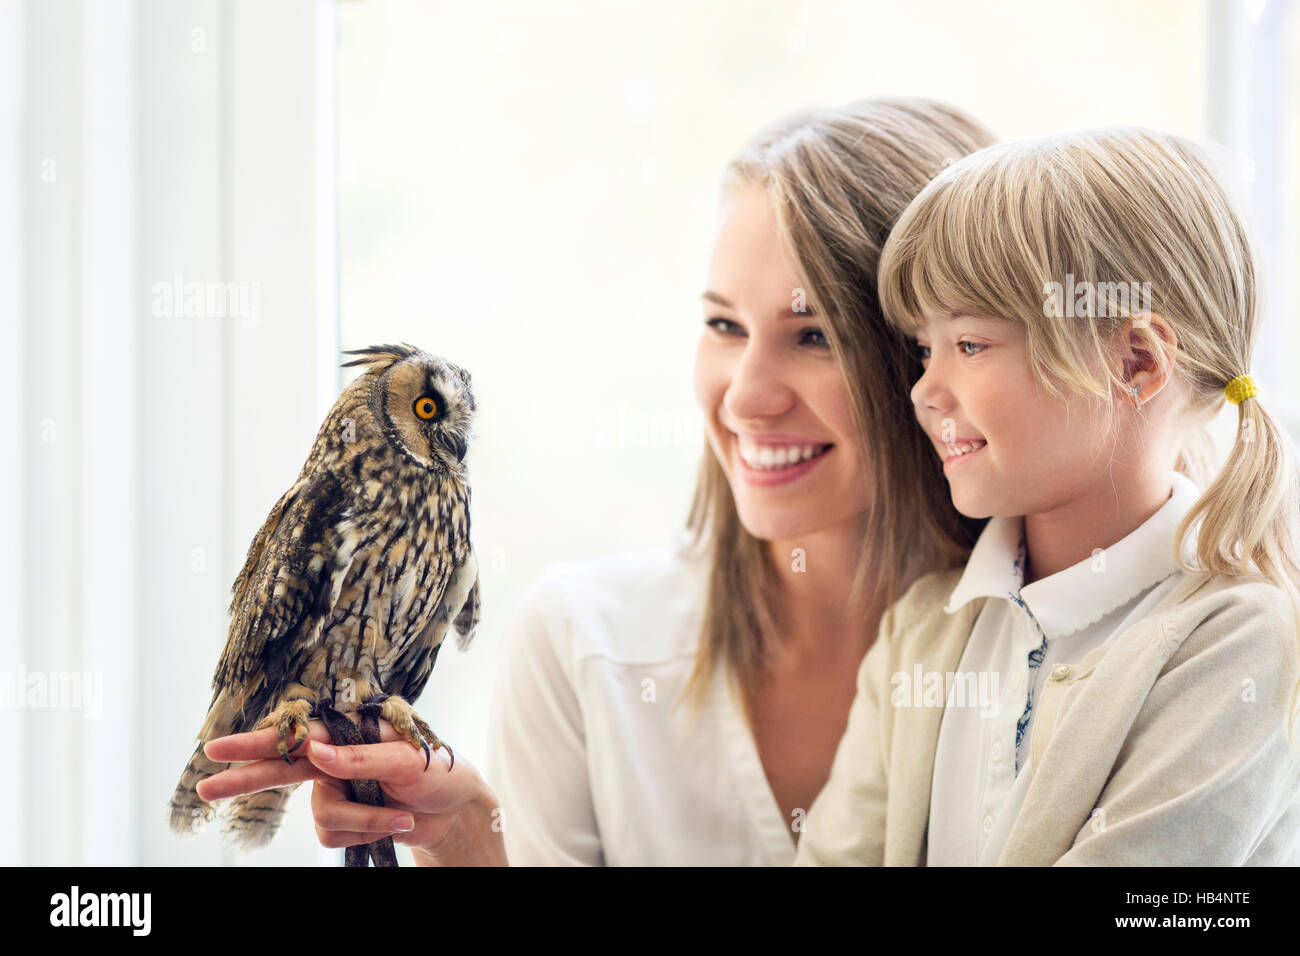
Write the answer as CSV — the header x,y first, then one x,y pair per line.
x,y
1082,594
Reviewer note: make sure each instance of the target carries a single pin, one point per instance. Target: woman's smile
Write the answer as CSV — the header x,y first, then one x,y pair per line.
x,y
776,460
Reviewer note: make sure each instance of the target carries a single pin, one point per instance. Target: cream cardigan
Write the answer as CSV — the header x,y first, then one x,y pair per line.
x,y
1166,746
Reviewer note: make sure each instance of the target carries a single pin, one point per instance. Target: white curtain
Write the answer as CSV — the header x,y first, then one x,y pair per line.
x,y
149,147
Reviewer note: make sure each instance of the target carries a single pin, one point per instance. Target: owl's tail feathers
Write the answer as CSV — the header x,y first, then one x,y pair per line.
x,y
248,820
188,812
251,819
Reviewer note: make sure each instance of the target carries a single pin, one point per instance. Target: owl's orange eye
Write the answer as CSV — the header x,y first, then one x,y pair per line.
x,y
425,407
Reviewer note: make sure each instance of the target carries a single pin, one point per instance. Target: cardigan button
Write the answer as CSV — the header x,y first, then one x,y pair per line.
x,y
1060,672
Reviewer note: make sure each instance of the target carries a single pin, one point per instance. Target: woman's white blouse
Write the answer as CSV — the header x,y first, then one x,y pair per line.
x,y
590,760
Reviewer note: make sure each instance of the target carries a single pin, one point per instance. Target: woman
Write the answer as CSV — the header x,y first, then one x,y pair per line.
x,y
817,504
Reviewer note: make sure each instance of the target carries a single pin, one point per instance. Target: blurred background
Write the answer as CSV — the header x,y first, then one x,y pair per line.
x,y
527,188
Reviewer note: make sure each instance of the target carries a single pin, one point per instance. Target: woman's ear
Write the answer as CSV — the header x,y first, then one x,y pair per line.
x,y
1147,347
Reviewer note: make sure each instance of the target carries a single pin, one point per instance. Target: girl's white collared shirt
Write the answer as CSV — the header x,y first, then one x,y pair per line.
x,y
591,761
982,768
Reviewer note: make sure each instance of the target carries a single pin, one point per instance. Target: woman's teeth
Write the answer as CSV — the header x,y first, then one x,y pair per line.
x,y
952,451
775,457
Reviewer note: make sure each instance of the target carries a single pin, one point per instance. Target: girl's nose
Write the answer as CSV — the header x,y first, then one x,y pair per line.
x,y
758,387
929,392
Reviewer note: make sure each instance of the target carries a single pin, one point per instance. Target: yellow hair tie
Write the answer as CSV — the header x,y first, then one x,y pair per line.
x,y
1241,388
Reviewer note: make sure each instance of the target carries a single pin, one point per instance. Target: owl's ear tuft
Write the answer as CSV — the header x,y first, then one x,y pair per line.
x,y
376,358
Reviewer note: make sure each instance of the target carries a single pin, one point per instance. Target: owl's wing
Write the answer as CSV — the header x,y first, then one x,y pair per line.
x,y
466,622
293,571
459,608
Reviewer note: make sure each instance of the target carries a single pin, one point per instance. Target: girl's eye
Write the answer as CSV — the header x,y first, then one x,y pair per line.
x,y
965,346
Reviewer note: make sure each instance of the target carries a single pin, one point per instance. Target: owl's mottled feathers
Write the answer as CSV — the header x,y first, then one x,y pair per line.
x,y
351,583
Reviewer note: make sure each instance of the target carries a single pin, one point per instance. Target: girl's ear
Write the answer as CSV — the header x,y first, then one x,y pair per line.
x,y
1147,346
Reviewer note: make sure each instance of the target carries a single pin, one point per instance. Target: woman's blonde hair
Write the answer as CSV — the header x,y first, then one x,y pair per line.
x,y
1114,213
838,179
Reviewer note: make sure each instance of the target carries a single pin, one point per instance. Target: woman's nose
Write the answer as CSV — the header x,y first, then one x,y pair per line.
x,y
758,387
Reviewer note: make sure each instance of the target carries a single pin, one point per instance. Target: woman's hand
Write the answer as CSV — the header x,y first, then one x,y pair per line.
x,y
451,815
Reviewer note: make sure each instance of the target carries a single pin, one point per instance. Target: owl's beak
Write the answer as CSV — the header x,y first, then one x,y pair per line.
x,y
454,444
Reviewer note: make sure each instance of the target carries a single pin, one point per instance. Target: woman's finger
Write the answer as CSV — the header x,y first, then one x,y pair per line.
x,y
259,775
258,744
334,812
397,762
326,788
334,789
337,839
264,744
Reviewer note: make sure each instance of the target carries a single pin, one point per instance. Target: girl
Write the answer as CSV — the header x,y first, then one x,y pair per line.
x,y
813,507
1118,659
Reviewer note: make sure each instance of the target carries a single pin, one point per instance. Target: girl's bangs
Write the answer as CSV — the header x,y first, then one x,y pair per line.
x,y
970,244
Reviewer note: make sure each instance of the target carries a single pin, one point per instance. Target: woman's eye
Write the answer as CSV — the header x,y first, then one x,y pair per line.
x,y
978,346
922,351
818,338
724,326
811,336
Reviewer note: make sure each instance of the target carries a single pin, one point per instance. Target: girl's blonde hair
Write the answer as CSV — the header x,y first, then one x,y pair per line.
x,y
1003,231
838,179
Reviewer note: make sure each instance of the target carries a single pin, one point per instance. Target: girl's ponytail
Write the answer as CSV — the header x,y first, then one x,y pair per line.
x,y
1250,514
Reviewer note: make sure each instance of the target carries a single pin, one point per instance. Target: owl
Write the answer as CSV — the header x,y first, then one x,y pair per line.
x,y
350,585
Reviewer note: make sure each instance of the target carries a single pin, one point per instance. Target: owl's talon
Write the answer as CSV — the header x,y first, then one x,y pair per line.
x,y
409,725
290,721
437,744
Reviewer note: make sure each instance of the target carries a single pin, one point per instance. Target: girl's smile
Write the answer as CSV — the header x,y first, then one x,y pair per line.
x,y
958,452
